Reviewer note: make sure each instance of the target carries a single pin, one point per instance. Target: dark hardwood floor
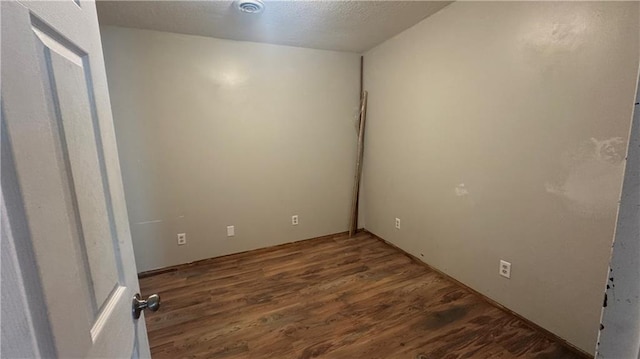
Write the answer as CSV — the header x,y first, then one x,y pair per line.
x,y
332,298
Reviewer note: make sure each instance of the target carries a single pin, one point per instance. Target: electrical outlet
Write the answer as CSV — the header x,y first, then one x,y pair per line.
x,y
182,239
397,223
231,231
505,269
294,220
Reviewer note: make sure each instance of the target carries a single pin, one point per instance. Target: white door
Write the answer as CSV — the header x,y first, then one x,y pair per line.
x,y
62,196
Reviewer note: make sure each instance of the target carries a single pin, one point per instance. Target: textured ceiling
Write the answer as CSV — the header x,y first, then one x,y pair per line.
x,y
332,25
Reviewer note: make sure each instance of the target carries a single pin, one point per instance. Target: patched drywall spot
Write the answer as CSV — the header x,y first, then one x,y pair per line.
x,y
591,186
461,190
560,34
563,34
552,42
610,150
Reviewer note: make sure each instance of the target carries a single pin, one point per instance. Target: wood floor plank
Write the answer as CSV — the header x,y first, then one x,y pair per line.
x,y
334,297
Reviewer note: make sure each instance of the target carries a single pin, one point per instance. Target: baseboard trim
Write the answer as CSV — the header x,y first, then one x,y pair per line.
x,y
492,302
174,268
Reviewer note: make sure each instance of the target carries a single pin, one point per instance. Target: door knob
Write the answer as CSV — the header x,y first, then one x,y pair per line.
x,y
138,305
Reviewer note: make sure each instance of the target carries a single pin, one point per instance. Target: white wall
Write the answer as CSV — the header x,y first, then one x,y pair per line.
x,y
497,130
216,132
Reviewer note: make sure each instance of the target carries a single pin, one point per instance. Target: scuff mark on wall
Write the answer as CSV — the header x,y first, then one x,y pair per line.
x,y
150,222
592,186
157,220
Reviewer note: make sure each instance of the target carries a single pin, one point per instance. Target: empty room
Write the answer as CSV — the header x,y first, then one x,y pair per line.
x,y
320,179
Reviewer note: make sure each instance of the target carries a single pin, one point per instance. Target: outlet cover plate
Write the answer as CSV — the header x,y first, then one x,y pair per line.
x,y
505,269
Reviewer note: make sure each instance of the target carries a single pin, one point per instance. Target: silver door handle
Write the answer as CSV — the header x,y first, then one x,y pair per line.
x,y
138,305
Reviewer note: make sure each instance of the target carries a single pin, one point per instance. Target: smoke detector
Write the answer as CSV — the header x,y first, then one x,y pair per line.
x,y
250,6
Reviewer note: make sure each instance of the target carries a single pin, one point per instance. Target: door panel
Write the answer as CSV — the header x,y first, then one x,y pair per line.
x,y
58,122
72,105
